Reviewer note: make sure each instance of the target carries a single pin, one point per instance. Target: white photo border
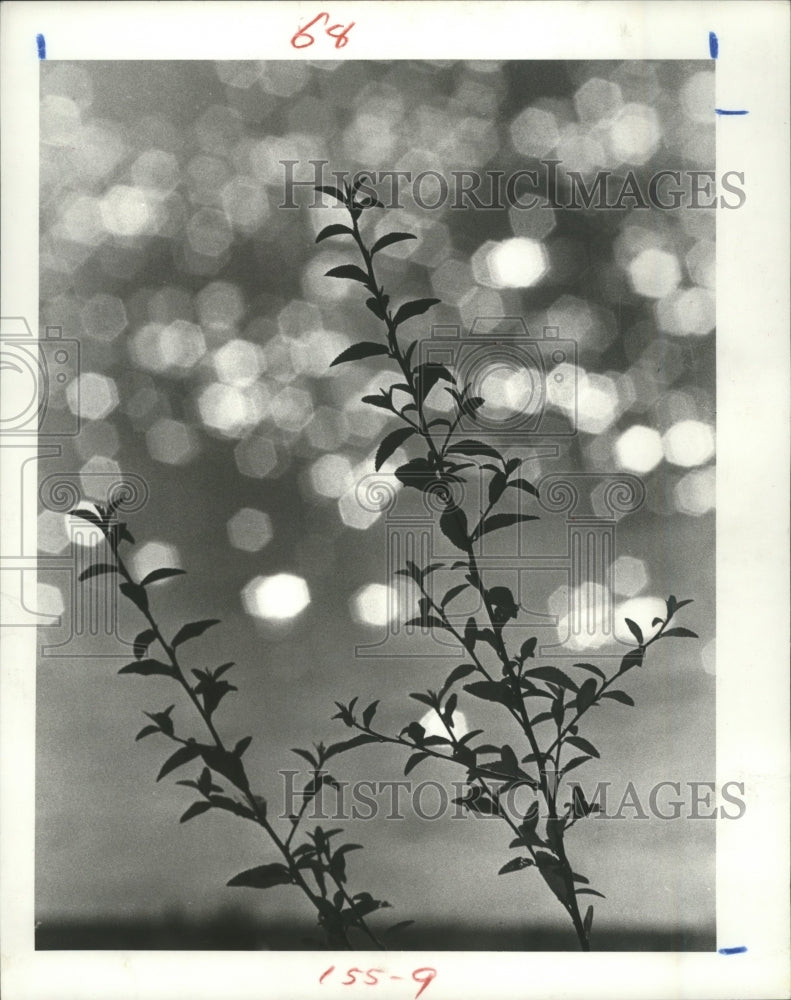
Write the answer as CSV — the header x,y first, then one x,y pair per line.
x,y
752,476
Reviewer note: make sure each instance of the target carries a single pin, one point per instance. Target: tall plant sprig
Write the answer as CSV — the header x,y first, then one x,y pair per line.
x,y
310,859
516,686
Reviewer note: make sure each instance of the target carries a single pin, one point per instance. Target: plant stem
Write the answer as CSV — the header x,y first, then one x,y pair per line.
x,y
244,784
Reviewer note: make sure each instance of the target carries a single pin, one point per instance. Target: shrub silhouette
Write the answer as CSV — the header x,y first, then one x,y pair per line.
x,y
546,705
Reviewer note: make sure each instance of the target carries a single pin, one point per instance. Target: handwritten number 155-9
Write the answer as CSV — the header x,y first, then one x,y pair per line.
x,y
373,976
302,39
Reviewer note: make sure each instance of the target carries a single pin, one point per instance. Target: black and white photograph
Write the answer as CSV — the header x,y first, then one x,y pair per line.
x,y
392,572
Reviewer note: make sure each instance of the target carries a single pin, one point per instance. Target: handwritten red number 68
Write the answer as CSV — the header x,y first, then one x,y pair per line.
x,y
302,39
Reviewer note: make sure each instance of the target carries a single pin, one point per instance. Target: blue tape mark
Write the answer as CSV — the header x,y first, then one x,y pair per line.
x,y
714,45
733,951
720,111
42,46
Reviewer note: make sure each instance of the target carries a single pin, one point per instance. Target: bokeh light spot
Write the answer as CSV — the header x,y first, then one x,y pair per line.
x,y
331,475
250,529
630,576
155,555
654,273
277,598
639,449
689,442
172,442
92,396
374,604
695,493
515,263
256,457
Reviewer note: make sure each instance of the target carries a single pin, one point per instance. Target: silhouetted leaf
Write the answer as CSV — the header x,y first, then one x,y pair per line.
x,y
195,810
587,922
515,865
389,239
147,731
147,668
230,805
416,473
426,621
223,762
355,741
593,669
242,745
453,524
163,719
635,629
376,308
634,658
497,521
98,569
136,595
621,696
381,401
306,755
143,641
590,892
497,691
528,649
497,485
182,756
88,515
673,605
582,744
558,709
424,699
350,271
453,592
414,308
463,670
192,630
471,447
334,230
365,349
426,377
682,633
415,732
523,484
581,807
553,876
160,574
552,674
586,695
414,760
262,877
369,713
574,762
393,440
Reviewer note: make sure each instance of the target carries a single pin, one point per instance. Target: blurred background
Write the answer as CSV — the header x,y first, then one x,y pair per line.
x,y
206,327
